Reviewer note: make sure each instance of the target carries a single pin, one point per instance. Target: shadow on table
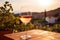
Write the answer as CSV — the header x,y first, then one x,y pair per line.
x,y
5,38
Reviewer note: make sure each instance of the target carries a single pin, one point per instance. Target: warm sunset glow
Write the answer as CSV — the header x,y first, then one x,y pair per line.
x,y
45,3
33,5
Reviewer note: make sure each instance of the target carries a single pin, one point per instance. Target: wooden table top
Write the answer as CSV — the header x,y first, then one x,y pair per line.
x,y
35,35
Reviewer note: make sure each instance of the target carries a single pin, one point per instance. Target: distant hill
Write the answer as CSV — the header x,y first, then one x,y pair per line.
x,y
42,14
53,12
17,14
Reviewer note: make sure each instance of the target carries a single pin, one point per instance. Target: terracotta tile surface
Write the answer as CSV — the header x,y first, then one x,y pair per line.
x,y
36,35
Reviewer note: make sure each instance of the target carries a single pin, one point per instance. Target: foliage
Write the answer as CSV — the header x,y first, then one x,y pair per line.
x,y
23,27
45,25
6,17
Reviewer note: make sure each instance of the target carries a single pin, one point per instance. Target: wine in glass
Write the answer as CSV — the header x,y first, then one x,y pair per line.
x,y
25,19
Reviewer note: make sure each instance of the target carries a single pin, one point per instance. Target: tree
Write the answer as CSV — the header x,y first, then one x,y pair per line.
x,y
6,16
6,7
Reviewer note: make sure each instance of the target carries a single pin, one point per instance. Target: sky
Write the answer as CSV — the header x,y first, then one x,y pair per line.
x,y
33,5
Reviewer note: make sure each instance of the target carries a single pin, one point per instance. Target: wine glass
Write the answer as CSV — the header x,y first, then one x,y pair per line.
x,y
25,18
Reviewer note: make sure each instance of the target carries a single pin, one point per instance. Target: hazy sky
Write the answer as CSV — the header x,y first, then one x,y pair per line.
x,y
32,5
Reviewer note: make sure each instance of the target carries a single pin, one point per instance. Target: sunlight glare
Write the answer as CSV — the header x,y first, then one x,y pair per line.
x,y
44,3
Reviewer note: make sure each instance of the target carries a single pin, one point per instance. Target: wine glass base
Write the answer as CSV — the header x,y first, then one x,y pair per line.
x,y
25,36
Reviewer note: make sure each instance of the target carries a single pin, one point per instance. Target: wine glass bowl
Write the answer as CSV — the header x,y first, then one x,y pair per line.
x,y
25,18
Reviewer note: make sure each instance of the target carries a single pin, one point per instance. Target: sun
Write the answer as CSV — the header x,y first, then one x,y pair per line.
x,y
44,3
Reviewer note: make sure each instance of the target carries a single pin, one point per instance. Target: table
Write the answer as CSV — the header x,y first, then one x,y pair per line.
x,y
36,35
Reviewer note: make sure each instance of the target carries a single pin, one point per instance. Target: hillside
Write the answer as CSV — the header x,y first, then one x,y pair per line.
x,y
42,14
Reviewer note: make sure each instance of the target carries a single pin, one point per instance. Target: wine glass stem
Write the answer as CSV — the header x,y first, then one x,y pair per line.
x,y
25,29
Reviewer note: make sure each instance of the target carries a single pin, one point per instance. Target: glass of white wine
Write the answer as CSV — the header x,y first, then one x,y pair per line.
x,y
25,18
